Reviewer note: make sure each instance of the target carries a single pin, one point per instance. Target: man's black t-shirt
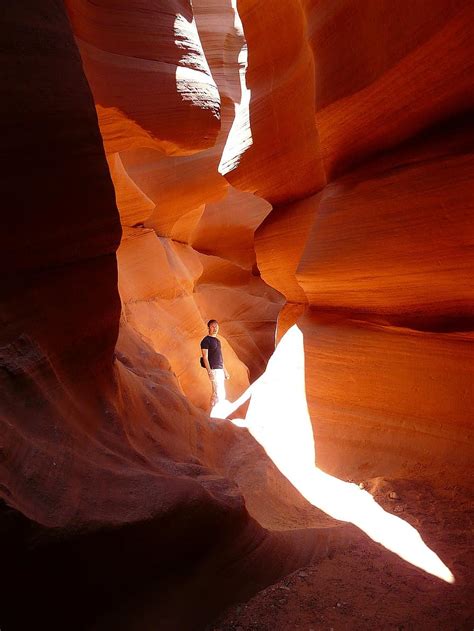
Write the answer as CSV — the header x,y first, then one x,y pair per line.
x,y
214,352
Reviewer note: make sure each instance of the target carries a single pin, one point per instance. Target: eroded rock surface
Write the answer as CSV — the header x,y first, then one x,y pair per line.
x,y
177,211
387,241
145,146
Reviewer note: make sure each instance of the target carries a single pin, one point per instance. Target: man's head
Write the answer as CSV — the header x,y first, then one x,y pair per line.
x,y
213,326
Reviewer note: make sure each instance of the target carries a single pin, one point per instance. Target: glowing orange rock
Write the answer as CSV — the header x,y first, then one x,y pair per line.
x,y
373,91
386,400
227,227
273,150
393,239
134,206
389,242
159,91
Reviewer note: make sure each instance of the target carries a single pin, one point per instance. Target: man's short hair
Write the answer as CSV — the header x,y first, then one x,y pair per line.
x,y
212,322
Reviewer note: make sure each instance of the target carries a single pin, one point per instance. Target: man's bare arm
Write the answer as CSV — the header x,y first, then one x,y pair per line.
x,y
205,357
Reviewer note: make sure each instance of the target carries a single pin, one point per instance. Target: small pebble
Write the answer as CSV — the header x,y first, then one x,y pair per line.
x,y
302,574
362,485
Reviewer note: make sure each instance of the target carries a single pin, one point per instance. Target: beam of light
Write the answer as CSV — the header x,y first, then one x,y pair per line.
x,y
193,76
240,135
278,418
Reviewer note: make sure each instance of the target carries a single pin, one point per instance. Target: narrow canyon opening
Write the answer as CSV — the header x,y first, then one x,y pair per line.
x,y
302,172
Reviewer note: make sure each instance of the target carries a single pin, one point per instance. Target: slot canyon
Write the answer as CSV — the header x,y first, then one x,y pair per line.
x,y
302,171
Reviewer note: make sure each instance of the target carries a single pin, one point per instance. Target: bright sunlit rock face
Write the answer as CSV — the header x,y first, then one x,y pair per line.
x,y
240,134
193,76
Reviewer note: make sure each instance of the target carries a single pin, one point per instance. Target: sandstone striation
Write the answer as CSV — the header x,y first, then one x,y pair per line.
x,y
148,73
173,203
271,138
374,92
102,455
165,163
387,241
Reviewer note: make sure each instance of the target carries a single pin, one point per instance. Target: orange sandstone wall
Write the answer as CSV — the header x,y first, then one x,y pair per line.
x,y
187,252
105,494
111,480
158,91
276,152
376,267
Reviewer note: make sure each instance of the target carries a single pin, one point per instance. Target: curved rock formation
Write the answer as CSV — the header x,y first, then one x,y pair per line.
x,y
172,206
271,138
121,499
102,456
389,243
376,92
148,73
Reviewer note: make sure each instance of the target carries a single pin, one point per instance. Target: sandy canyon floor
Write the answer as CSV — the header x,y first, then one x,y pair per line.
x,y
362,586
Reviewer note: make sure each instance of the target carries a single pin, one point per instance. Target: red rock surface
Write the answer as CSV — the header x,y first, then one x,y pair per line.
x,y
150,79
272,138
397,70
393,240
175,207
389,243
346,130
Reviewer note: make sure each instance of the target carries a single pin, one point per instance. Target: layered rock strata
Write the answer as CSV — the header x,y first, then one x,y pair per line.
x,y
376,266
177,211
121,499
107,503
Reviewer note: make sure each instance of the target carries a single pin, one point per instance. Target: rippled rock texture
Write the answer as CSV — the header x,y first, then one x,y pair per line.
x,y
103,457
187,251
161,159
376,266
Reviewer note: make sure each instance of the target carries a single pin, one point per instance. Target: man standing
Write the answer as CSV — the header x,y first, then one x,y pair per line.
x,y
212,357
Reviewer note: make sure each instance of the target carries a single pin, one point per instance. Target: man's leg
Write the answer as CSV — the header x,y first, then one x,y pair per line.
x,y
220,384
218,387
214,394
